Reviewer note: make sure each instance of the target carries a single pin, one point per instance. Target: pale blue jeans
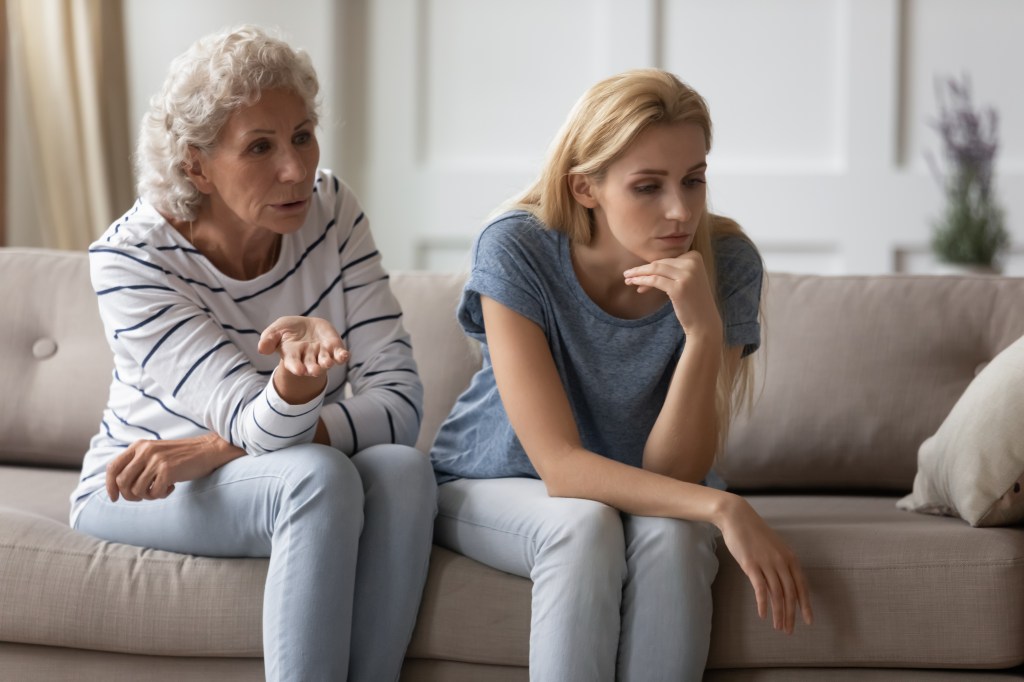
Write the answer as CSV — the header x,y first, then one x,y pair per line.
x,y
615,596
348,540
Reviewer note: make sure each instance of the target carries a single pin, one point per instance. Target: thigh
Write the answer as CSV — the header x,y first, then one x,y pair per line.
x,y
229,513
507,522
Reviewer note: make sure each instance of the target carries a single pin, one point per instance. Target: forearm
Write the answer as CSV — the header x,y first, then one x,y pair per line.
x,y
295,389
684,438
379,415
583,474
217,451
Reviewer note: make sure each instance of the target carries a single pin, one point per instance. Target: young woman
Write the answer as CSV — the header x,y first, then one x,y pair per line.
x,y
616,315
241,295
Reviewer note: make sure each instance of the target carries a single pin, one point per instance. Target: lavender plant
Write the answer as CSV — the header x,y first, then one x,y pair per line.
x,y
971,230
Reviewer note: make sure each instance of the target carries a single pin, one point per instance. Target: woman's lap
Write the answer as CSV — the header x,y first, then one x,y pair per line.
x,y
229,513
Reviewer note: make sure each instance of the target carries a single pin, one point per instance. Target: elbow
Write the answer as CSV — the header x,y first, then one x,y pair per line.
x,y
409,434
407,427
557,474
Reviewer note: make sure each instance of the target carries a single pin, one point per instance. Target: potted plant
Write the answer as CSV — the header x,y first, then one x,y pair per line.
x,y
970,233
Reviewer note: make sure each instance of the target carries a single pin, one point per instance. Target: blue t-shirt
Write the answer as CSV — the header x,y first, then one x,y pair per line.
x,y
615,372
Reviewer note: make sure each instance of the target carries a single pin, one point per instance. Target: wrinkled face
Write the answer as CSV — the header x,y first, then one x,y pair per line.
x,y
261,171
651,200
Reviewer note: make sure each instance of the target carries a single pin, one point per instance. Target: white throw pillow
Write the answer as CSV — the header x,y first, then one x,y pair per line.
x,y
973,467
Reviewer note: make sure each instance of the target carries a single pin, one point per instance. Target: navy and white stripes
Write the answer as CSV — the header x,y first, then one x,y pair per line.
x,y
184,337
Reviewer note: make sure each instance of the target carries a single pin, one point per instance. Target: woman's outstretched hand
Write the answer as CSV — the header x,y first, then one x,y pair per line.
x,y
308,346
148,469
685,280
768,563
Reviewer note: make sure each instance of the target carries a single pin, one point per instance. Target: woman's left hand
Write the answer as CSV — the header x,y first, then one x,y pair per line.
x,y
685,280
308,346
148,469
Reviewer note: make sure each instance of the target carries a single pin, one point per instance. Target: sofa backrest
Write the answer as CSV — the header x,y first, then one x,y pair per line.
x,y
55,366
854,374
446,358
858,371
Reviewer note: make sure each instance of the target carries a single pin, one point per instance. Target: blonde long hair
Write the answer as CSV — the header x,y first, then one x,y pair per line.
x,y
600,128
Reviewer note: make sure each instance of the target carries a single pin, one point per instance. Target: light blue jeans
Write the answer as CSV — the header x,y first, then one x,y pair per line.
x,y
348,540
615,596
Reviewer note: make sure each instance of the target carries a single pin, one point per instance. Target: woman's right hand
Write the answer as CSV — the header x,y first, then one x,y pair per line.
x,y
148,469
769,564
308,346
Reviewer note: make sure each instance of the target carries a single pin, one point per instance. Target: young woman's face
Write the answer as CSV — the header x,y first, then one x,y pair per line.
x,y
262,169
652,198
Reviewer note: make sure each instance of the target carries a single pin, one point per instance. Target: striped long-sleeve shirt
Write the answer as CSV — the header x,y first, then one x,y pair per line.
x,y
184,338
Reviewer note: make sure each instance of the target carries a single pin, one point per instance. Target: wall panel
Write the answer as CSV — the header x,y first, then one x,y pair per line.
x,y
811,125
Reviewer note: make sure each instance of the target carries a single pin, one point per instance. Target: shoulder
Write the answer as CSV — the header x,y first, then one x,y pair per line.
x,y
737,261
334,200
140,243
141,226
516,236
736,250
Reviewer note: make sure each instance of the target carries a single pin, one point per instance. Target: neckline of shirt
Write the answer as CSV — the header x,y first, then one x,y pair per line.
x,y
588,304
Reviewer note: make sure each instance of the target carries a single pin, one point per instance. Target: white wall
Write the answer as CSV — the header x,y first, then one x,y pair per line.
x,y
157,32
820,109
437,110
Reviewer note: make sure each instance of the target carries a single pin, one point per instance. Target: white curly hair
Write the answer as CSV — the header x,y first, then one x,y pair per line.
x,y
215,76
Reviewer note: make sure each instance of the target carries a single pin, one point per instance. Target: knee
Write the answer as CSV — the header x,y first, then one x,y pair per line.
x,y
677,540
320,475
400,471
592,531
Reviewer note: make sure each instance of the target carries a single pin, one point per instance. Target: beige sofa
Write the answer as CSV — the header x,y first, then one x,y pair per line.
x,y
857,372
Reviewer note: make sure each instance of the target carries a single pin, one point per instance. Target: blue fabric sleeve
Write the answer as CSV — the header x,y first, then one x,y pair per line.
x,y
504,269
740,273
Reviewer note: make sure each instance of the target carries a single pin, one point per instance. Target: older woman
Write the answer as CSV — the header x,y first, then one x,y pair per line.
x,y
241,295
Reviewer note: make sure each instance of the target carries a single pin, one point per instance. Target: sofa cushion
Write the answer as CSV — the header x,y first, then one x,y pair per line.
x,y
58,664
446,357
973,467
44,492
62,588
55,362
856,372
889,589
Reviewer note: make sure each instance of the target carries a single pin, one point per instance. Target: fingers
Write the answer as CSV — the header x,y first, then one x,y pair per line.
x,y
270,340
783,588
668,275
114,469
801,592
760,591
789,600
308,345
778,600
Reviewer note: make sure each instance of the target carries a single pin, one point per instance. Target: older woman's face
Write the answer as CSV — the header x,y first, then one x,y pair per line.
x,y
262,169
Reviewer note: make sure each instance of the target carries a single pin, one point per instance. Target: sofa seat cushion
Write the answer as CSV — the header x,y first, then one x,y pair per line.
x,y
62,588
45,492
889,589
